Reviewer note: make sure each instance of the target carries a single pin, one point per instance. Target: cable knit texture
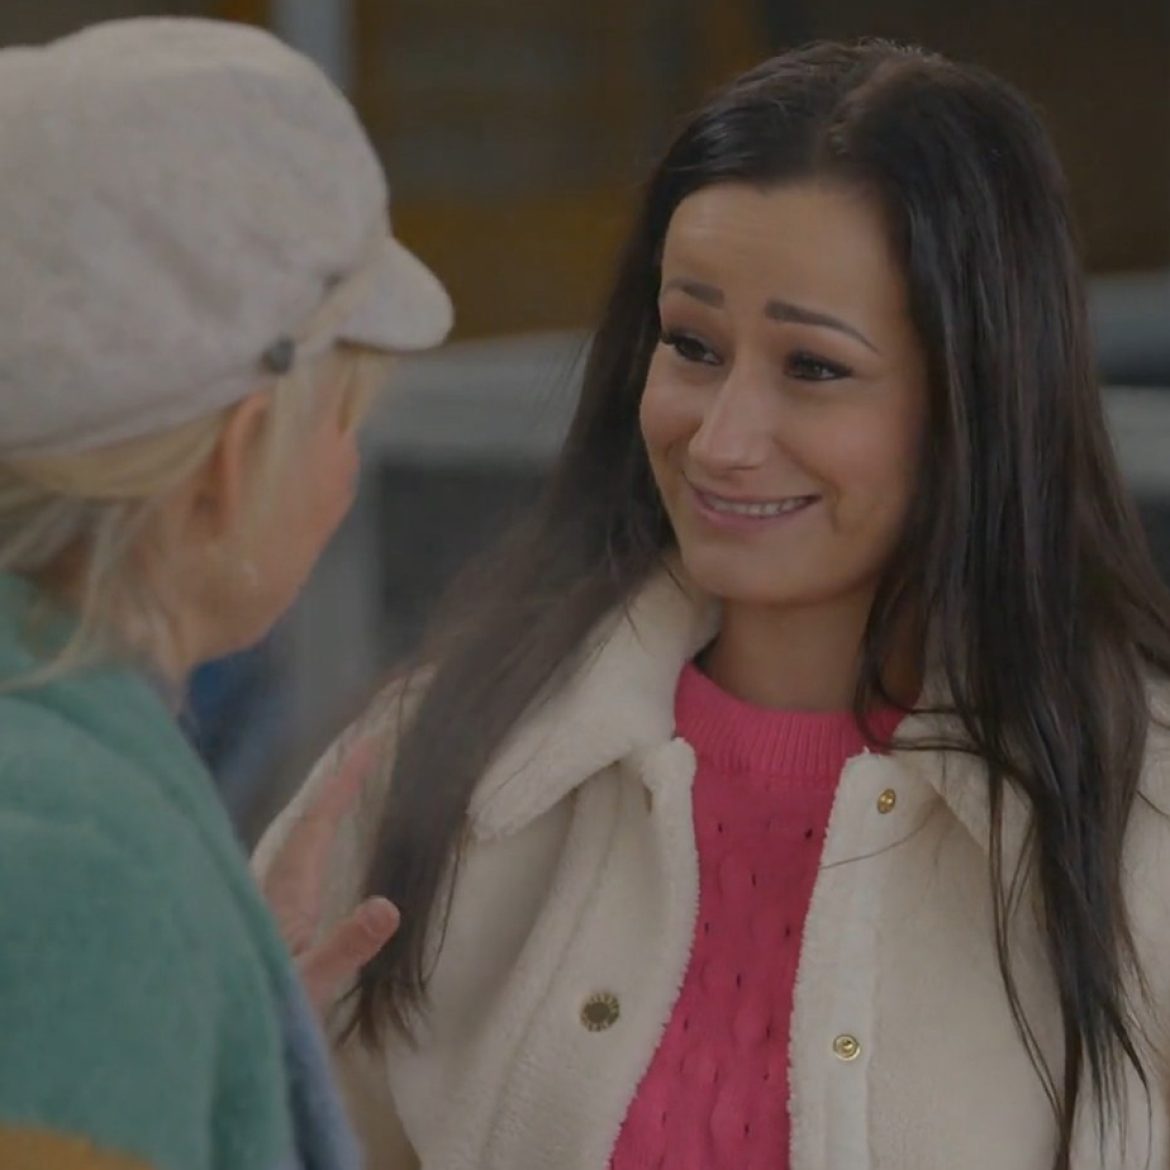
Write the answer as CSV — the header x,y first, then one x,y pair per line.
x,y
716,1094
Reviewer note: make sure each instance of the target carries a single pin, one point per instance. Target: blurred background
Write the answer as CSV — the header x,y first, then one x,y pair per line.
x,y
515,133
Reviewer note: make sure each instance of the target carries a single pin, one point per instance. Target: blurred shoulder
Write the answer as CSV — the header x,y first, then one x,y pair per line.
x,y
60,771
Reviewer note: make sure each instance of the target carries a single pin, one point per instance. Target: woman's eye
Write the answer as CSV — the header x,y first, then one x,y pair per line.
x,y
689,348
809,368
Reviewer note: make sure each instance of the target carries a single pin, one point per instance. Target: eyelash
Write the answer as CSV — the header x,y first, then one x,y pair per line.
x,y
801,363
682,342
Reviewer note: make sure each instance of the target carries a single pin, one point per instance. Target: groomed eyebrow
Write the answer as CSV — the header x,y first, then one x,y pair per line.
x,y
775,310
707,293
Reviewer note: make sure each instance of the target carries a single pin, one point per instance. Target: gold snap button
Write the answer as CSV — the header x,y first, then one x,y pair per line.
x,y
887,800
600,1011
847,1047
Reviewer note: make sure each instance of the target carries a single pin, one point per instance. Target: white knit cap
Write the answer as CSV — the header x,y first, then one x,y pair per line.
x,y
178,201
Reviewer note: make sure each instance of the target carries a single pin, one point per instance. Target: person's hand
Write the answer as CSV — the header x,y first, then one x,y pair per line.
x,y
294,888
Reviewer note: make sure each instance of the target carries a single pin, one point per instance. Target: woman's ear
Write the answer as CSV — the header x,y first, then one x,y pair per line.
x,y
217,497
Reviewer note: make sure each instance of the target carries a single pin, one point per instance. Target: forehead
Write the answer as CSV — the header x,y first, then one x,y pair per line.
x,y
815,242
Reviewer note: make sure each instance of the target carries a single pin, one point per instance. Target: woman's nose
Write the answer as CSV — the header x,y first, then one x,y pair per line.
x,y
735,431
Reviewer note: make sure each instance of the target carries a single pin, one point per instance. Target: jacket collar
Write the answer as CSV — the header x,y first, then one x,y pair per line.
x,y
618,702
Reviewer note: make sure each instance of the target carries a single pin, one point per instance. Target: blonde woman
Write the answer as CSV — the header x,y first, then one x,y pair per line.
x,y
200,290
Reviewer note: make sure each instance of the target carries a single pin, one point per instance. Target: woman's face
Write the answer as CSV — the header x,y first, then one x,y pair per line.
x,y
785,404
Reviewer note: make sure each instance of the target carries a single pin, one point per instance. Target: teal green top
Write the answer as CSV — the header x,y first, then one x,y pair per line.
x,y
147,1004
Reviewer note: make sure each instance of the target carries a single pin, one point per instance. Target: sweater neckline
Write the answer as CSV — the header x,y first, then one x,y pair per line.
x,y
733,734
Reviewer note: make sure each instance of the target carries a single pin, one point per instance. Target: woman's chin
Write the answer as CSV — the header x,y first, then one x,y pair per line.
x,y
737,578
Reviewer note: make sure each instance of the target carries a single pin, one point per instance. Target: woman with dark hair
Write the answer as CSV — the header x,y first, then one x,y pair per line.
x,y
794,793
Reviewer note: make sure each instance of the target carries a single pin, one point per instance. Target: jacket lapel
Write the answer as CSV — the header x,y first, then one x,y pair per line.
x,y
960,780
618,702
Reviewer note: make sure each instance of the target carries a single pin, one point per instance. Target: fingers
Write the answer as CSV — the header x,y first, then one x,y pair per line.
x,y
336,961
295,878
340,790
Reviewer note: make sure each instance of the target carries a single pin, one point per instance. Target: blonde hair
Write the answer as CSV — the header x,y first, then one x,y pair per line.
x,y
99,505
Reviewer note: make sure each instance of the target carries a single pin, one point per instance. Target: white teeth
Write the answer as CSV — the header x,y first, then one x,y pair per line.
x,y
735,508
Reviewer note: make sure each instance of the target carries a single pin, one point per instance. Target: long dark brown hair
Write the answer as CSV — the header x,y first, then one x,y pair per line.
x,y
1024,553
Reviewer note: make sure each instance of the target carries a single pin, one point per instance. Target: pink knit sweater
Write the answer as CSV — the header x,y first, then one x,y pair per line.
x,y
716,1094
